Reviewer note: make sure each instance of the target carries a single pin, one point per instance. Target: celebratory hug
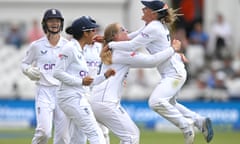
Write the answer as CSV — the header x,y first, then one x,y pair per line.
x,y
80,81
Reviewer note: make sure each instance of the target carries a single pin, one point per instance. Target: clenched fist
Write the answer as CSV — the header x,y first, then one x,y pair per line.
x,y
109,72
87,80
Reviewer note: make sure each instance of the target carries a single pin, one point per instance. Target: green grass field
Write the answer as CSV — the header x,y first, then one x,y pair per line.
x,y
147,137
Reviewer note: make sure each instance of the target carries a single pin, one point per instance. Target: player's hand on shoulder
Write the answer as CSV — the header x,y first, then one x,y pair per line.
x,y
87,80
176,44
109,72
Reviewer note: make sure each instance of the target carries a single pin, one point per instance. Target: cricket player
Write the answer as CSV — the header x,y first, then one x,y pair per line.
x,y
92,56
72,70
91,53
155,36
38,64
106,97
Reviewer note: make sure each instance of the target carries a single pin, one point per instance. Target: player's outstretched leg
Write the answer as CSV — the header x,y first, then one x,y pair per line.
x,y
40,137
189,134
207,129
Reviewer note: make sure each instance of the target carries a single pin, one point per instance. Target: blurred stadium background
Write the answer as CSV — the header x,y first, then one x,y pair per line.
x,y
213,86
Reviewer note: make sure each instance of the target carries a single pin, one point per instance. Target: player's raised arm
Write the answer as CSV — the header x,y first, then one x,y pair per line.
x,y
140,60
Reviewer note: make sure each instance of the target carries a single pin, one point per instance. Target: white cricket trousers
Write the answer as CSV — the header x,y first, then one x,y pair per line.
x,y
47,114
79,111
163,101
77,136
117,120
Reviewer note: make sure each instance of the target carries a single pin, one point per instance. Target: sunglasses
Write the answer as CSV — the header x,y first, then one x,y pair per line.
x,y
89,30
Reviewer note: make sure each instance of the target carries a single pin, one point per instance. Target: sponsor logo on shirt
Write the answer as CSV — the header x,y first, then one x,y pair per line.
x,y
43,52
93,63
48,66
144,35
83,73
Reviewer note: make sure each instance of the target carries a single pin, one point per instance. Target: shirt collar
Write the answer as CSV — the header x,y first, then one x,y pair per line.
x,y
59,44
77,45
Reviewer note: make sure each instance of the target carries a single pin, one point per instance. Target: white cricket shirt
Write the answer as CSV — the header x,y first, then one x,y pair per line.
x,y
92,57
71,68
43,55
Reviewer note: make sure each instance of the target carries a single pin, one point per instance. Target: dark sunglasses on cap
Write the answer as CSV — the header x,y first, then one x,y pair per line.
x,y
90,30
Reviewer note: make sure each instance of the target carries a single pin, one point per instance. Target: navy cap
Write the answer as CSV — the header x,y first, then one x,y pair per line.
x,y
155,4
52,13
91,19
81,24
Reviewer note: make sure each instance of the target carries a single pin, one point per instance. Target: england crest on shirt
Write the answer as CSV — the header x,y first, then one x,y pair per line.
x,y
62,56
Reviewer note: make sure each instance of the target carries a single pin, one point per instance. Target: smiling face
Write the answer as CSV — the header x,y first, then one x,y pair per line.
x,y
115,32
89,34
54,25
122,33
148,15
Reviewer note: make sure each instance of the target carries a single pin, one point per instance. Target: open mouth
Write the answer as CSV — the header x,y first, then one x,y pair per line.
x,y
54,27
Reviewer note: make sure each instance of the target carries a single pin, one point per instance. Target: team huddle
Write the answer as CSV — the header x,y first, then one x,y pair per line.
x,y
80,81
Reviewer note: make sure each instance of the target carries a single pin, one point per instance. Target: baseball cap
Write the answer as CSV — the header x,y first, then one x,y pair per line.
x,y
156,5
81,24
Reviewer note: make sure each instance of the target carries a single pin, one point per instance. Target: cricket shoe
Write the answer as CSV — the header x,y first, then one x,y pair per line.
x,y
189,135
207,130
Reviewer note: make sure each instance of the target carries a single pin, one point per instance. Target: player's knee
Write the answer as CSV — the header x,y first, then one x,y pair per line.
x,y
157,105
